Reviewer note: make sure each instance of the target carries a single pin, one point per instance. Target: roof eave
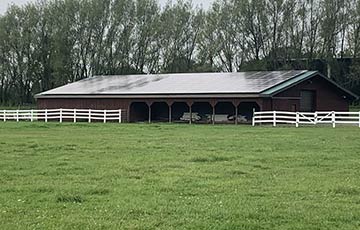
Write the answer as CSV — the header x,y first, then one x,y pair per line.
x,y
134,96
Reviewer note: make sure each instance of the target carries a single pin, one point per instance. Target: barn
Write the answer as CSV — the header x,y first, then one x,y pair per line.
x,y
201,97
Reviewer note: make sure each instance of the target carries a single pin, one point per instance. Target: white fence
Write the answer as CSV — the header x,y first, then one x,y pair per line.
x,y
60,115
279,117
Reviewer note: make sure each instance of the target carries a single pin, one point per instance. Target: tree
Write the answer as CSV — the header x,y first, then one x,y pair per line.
x,y
51,43
146,50
180,29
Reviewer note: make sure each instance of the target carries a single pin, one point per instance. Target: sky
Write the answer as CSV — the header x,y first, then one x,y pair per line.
x,y
5,3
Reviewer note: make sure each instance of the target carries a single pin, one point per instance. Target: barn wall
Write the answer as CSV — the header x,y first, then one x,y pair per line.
x,y
82,103
89,103
292,105
328,96
267,104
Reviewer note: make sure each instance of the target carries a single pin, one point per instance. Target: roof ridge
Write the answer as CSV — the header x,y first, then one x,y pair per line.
x,y
195,73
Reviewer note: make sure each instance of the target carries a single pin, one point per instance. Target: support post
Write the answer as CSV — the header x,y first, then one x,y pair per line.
x,y
120,118
274,119
105,116
74,115
297,119
213,114
17,115
89,120
190,121
170,113
46,116
32,115
149,113
61,118
316,118
236,114
333,119
4,115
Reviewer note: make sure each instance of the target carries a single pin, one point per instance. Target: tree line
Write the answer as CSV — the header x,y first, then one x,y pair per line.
x,y
50,43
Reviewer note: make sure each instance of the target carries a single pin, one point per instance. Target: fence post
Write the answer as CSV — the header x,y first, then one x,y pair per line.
x,y
61,118
17,115
74,115
46,116
333,119
4,115
297,119
315,118
32,115
359,119
120,116
274,119
253,118
89,115
105,116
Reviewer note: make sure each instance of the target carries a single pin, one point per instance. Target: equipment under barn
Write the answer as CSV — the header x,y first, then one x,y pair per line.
x,y
201,97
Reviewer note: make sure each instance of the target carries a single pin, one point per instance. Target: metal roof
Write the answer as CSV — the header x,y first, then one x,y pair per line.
x,y
176,84
288,83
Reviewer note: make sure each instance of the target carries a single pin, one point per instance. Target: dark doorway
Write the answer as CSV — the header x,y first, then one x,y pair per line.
x,y
224,112
160,112
246,110
307,101
202,112
178,111
139,112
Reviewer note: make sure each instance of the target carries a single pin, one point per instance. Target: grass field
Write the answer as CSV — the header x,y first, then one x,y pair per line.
x,y
110,176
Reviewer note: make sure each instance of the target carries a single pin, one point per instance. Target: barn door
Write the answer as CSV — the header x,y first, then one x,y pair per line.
x,y
307,102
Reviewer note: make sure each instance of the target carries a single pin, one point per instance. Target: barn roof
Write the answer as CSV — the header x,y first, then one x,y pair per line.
x,y
241,83
303,77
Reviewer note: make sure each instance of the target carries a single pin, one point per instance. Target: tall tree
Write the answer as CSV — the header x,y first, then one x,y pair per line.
x,y
50,43
180,29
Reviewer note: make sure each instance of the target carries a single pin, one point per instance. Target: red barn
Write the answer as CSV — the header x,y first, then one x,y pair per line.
x,y
205,97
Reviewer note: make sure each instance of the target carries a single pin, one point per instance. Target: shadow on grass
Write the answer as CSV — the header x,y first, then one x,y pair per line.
x,y
68,198
210,159
347,191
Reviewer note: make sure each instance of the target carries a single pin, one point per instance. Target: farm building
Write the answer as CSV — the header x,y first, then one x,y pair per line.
x,y
201,97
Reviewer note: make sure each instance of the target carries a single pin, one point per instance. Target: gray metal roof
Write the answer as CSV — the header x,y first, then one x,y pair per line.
x,y
176,84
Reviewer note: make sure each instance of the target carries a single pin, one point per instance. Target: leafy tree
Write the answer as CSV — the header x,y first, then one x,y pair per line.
x,y
51,43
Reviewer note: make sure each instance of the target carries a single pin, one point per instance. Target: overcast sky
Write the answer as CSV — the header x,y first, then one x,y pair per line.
x,y
5,3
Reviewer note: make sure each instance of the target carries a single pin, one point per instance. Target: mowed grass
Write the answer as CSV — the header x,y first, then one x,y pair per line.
x,y
111,176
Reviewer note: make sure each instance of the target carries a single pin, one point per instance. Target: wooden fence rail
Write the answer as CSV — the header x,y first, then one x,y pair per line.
x,y
280,117
62,115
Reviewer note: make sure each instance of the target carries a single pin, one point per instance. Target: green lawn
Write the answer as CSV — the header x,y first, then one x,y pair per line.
x,y
101,176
